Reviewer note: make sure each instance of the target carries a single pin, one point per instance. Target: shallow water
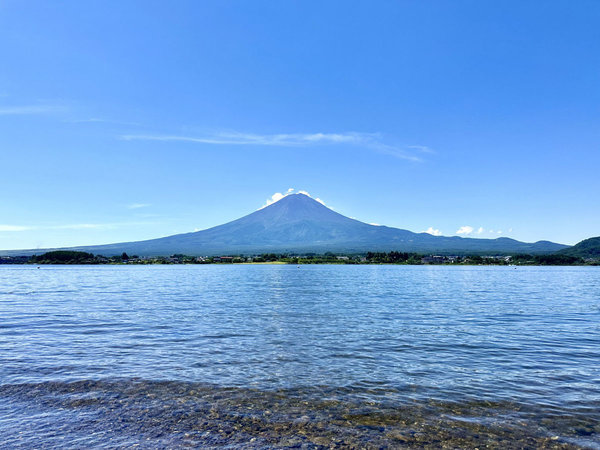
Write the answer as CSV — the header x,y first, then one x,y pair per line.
x,y
261,356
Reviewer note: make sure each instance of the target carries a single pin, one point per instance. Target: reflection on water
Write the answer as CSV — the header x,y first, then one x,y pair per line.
x,y
317,356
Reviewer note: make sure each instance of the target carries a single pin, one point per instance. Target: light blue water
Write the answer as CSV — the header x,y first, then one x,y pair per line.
x,y
514,351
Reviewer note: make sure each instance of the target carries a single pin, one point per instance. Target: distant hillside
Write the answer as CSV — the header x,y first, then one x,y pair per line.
x,y
588,248
299,224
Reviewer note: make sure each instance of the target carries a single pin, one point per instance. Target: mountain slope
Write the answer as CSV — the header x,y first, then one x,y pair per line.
x,y
297,223
588,248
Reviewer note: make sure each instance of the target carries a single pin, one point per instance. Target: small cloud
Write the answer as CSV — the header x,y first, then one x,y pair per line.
x,y
510,230
433,231
480,230
138,205
375,224
466,230
499,231
15,228
274,198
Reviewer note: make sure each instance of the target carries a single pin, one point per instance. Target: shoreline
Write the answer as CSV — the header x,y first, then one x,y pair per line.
x,y
281,263
201,414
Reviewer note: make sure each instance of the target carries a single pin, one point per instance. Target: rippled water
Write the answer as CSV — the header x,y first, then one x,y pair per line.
x,y
276,355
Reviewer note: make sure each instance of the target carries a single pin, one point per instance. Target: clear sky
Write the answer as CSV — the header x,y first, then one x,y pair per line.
x,y
130,120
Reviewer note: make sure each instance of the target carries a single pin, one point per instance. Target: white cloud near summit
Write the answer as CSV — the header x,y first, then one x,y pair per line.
x,y
274,198
278,196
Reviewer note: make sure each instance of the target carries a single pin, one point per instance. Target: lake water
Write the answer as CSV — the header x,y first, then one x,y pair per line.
x,y
310,356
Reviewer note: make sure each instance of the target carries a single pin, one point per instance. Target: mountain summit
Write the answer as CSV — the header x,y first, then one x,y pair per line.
x,y
299,224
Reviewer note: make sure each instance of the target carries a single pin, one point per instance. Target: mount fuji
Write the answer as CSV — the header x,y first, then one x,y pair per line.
x,y
299,224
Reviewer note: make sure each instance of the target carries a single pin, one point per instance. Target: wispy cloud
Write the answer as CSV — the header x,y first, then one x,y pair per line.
x,y
14,228
71,226
258,139
392,150
138,205
421,148
30,110
93,120
372,141
84,226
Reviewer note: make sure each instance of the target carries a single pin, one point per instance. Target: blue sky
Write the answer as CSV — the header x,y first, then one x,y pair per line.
x,y
131,120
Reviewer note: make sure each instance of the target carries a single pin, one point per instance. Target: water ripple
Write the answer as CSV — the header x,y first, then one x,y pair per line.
x,y
523,345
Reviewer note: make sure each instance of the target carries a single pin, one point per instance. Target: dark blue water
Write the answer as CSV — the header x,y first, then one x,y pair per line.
x,y
276,355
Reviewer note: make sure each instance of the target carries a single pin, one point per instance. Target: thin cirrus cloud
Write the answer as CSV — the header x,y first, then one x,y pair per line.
x,y
371,141
74,226
98,120
78,226
84,226
14,228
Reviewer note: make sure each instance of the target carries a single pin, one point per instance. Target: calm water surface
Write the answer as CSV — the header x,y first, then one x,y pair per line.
x,y
316,356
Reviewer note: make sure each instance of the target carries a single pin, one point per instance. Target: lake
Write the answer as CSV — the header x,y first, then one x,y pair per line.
x,y
311,356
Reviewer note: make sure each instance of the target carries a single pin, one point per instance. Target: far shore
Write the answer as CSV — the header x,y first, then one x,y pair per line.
x,y
69,257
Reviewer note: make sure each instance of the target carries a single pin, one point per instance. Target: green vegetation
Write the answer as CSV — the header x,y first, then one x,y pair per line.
x,y
547,260
588,248
64,257
394,257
